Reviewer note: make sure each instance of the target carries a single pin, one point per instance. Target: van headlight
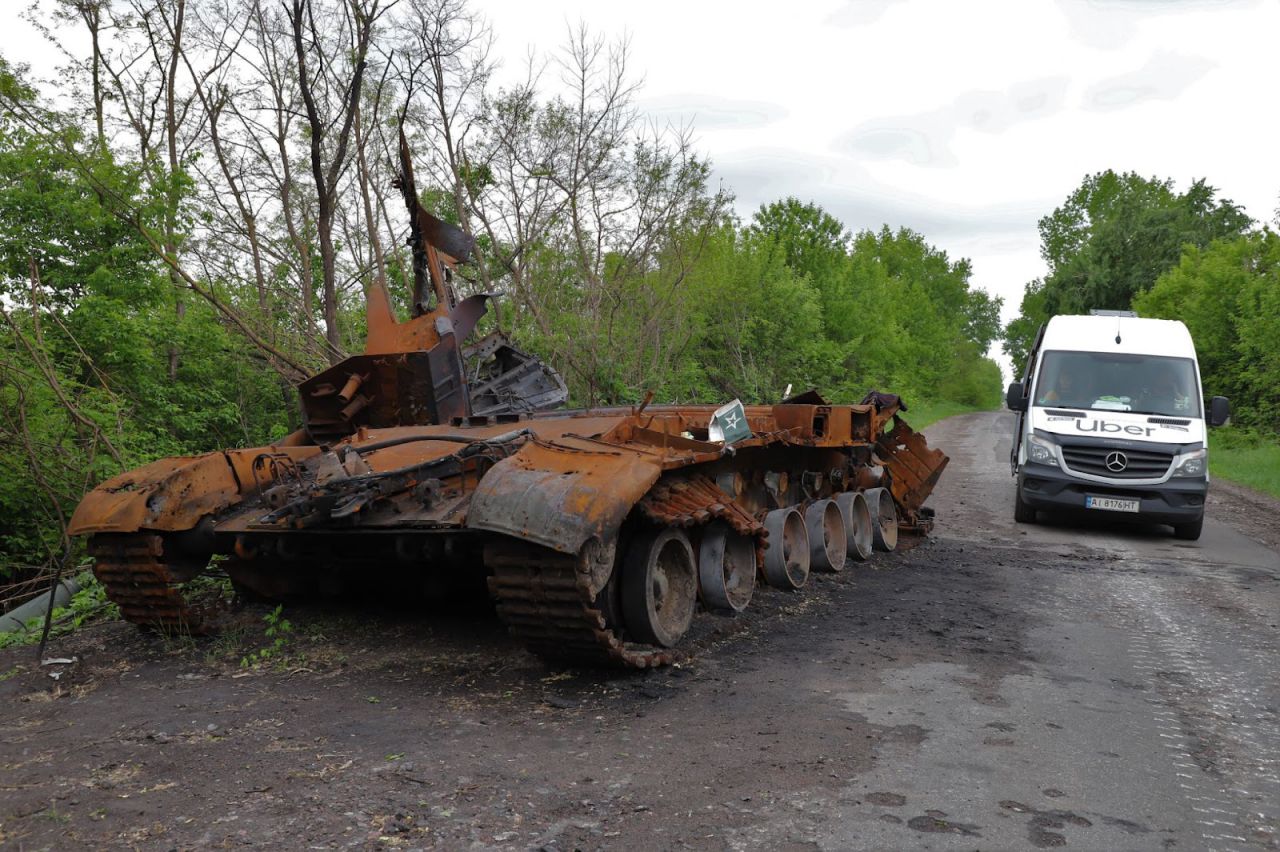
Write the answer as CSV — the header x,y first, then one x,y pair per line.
x,y
1191,464
1041,451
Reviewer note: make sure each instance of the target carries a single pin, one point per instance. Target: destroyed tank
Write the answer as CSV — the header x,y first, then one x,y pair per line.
x,y
428,460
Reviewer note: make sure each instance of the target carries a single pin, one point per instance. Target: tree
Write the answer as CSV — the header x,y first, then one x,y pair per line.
x,y
1020,333
759,324
594,217
329,130
1111,239
895,311
86,324
812,239
1228,294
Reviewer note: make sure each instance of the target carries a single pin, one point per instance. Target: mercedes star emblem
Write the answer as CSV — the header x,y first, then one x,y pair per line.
x,y
1117,461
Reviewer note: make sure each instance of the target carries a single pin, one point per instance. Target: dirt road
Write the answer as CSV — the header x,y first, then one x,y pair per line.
x,y
999,687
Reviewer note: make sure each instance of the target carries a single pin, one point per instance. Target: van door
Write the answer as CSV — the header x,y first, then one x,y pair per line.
x,y
1033,358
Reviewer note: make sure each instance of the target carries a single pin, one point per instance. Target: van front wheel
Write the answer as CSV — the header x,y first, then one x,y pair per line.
x,y
1022,512
1189,531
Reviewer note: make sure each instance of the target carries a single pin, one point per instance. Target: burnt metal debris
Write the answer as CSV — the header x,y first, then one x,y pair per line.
x,y
430,461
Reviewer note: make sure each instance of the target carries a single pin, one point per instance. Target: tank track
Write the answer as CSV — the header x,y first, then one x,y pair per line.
x,y
544,596
545,601
137,579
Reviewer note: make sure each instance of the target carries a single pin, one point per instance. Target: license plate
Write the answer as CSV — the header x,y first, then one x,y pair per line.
x,y
1110,504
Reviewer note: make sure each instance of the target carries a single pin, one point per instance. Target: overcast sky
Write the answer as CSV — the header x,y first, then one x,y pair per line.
x,y
966,121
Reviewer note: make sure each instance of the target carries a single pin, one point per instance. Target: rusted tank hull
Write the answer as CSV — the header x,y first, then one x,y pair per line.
x,y
547,507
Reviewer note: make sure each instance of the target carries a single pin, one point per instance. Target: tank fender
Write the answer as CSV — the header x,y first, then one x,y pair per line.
x,y
561,497
168,494
914,468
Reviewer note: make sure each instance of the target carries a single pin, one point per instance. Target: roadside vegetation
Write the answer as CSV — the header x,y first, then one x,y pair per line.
x,y
1247,458
1122,241
190,213
928,412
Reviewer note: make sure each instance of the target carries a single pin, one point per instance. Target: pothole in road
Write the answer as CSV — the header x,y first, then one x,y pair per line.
x,y
935,822
1042,820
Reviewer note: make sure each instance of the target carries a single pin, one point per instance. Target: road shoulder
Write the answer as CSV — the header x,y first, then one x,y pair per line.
x,y
1248,512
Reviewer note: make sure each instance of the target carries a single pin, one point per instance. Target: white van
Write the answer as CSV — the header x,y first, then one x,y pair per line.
x,y
1111,420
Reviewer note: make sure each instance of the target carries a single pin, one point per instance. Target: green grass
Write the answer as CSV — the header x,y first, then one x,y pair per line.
x,y
922,414
1255,464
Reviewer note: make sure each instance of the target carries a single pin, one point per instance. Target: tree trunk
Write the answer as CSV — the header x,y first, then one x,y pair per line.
x,y
329,273
173,199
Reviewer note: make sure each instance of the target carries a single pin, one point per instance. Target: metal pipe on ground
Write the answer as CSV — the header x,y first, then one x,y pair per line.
x,y
15,620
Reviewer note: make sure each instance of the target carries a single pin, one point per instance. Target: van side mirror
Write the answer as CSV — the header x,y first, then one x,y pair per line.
x,y
1015,399
1219,411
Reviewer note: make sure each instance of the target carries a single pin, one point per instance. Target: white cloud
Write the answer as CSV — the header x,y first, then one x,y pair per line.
x,y
1164,76
924,139
862,202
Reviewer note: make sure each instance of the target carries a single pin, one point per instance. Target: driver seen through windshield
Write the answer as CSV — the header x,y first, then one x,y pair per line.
x,y
1101,381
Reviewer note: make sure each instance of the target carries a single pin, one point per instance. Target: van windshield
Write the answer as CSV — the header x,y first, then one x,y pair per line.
x,y
1107,381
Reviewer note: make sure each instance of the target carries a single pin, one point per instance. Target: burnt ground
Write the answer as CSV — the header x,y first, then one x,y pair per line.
x,y
379,727
995,687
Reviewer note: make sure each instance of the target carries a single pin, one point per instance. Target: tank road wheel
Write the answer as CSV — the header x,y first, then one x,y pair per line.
x,y
827,545
726,569
659,586
857,523
786,561
884,519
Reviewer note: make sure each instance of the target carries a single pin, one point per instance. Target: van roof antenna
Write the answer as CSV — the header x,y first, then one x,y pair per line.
x,y
1103,312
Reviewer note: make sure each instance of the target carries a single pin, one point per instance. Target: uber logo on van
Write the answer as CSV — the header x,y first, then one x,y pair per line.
x,y
1113,428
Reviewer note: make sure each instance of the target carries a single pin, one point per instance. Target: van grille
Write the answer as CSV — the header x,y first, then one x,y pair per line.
x,y
1139,464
